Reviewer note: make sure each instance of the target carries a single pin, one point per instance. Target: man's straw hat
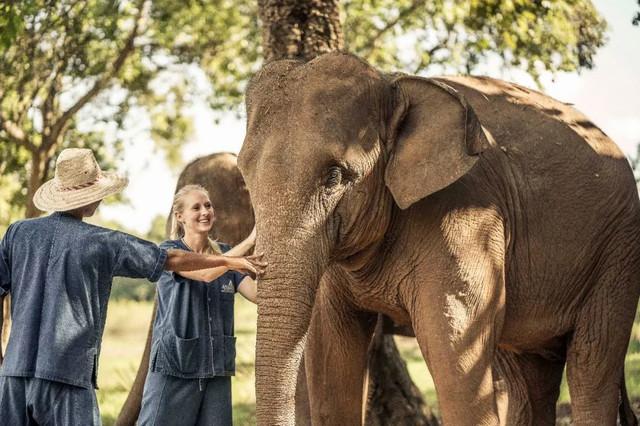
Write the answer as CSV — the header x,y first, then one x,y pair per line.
x,y
78,181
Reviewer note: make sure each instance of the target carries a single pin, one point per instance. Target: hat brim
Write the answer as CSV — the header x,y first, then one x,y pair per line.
x,y
50,198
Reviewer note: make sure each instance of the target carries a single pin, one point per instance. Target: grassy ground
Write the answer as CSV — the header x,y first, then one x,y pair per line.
x,y
126,329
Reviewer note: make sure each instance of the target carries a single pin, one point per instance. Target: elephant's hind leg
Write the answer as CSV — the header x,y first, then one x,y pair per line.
x,y
596,351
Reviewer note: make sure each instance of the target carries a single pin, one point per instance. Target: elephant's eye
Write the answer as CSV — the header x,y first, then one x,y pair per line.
x,y
334,177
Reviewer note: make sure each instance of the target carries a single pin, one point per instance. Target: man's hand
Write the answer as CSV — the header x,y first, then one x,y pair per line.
x,y
251,265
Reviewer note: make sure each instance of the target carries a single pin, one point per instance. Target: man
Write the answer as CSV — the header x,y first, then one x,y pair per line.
x,y
58,270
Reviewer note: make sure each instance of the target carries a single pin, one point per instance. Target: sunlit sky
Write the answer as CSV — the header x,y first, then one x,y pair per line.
x,y
609,95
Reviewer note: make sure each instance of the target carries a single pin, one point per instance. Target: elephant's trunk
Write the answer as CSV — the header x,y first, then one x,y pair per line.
x,y
285,299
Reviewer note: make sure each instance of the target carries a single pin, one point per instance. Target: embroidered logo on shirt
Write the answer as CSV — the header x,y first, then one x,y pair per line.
x,y
228,287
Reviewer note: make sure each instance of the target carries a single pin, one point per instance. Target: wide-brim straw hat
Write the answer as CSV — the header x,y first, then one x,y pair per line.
x,y
78,182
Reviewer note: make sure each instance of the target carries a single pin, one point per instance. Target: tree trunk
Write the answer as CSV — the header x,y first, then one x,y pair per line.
x,y
393,398
2,320
37,177
294,29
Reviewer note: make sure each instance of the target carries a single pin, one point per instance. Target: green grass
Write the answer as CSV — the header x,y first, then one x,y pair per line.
x,y
126,330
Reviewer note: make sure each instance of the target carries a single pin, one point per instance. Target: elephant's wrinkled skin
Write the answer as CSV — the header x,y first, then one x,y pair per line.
x,y
501,224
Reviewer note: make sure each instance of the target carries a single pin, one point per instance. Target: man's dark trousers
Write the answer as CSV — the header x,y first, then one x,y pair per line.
x,y
29,401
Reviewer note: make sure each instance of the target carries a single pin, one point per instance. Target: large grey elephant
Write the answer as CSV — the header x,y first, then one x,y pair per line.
x,y
502,225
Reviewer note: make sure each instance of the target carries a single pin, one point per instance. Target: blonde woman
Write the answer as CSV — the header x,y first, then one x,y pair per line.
x,y
193,349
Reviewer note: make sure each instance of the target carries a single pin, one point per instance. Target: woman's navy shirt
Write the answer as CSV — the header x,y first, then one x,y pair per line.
x,y
193,330
58,270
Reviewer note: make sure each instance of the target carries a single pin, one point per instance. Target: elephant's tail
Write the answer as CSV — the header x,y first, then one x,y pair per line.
x,y
627,417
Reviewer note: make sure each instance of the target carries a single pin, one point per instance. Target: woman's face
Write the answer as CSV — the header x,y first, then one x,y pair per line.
x,y
197,216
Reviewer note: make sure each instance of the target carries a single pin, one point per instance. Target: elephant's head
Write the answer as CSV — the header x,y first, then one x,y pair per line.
x,y
332,146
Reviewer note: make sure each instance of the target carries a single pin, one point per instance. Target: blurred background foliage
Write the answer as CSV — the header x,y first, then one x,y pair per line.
x,y
101,73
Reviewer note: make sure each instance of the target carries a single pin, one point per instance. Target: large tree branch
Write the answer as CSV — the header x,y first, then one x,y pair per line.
x,y
371,43
48,108
101,82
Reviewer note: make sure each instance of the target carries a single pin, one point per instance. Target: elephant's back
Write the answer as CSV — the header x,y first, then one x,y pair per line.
x,y
547,143
531,122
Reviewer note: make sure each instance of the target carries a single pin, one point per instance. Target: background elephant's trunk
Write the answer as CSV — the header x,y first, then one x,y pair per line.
x,y
285,299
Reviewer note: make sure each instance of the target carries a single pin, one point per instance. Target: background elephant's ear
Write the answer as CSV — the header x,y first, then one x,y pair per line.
x,y
434,142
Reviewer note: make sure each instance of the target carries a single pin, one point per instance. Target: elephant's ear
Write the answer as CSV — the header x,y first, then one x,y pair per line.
x,y
435,138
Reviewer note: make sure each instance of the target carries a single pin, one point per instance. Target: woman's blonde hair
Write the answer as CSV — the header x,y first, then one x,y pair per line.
x,y
177,230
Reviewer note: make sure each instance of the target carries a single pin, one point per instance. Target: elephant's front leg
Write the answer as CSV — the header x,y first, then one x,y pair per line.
x,y
336,357
457,324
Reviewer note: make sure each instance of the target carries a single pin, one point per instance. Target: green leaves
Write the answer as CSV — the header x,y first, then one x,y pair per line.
x,y
12,21
115,57
457,37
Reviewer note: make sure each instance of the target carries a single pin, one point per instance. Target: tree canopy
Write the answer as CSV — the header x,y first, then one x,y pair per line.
x,y
415,35
80,73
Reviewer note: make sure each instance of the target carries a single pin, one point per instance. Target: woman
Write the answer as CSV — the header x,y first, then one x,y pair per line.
x,y
193,349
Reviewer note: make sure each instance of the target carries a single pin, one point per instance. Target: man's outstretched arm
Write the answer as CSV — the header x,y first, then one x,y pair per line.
x,y
181,260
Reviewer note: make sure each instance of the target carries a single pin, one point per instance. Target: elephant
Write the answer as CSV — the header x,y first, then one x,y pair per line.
x,y
500,224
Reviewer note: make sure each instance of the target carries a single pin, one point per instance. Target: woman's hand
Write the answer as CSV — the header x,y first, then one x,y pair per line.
x,y
244,247
252,236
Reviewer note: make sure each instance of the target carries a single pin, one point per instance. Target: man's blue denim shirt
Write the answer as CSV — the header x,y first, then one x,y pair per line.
x,y
193,330
59,270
